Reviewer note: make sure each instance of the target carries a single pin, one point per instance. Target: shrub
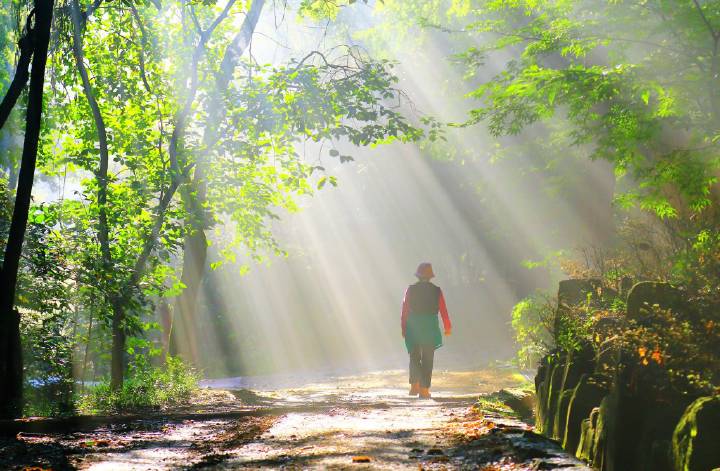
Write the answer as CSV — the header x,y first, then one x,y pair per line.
x,y
532,321
146,387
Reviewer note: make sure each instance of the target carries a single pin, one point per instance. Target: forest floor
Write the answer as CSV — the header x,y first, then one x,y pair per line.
x,y
353,422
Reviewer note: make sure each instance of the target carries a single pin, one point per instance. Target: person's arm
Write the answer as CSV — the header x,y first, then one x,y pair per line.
x,y
404,312
444,314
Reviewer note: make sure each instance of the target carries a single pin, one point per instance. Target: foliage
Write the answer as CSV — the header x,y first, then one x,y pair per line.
x,y
48,354
610,85
146,386
677,352
104,253
532,321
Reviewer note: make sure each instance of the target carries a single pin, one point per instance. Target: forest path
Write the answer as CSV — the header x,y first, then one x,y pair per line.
x,y
353,422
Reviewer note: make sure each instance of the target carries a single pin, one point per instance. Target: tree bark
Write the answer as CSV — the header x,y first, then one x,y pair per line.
x,y
10,347
195,247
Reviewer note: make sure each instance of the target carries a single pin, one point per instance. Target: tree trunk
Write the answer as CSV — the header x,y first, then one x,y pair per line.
x,y
103,229
117,352
10,349
195,249
179,176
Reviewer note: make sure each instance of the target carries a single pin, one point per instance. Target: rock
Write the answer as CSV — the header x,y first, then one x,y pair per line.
x,y
553,394
578,363
646,294
626,284
597,448
631,426
561,415
520,401
584,399
696,440
542,387
585,450
576,291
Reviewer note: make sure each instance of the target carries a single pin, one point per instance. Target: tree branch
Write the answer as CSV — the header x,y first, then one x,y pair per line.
x,y
22,73
102,172
710,28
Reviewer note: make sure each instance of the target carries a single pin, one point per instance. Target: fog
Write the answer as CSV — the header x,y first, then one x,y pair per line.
x,y
333,304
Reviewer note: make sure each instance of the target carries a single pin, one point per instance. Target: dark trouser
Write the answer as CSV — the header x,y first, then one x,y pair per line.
x,y
421,364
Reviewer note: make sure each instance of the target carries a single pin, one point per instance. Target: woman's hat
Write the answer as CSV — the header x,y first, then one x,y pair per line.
x,y
424,270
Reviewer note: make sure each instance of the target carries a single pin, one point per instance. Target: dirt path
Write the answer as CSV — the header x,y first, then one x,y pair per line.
x,y
356,422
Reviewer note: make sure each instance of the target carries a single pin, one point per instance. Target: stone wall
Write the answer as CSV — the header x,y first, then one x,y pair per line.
x,y
594,402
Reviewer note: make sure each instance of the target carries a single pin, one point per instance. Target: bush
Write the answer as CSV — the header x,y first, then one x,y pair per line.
x,y
145,387
532,321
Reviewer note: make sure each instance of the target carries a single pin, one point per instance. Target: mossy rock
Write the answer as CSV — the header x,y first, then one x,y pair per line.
x,y
602,427
541,383
578,363
588,428
575,291
696,440
630,429
510,401
561,414
553,395
586,439
653,450
586,396
646,294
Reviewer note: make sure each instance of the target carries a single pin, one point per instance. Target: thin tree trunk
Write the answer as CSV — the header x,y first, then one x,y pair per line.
x,y
195,249
10,347
87,350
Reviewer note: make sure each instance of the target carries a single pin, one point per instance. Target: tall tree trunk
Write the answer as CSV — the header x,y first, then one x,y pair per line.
x,y
10,347
103,229
179,172
195,249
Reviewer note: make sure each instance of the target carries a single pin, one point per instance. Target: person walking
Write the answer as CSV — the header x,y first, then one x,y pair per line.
x,y
420,328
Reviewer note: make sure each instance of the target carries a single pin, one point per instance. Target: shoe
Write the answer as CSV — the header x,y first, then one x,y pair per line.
x,y
414,389
425,393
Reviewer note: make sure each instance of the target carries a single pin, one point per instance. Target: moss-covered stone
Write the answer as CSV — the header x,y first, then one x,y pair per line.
x,y
561,414
586,437
646,294
553,395
585,397
575,291
542,380
588,428
696,441
602,425
577,364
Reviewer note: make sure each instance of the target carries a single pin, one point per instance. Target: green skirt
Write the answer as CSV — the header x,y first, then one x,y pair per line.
x,y
422,329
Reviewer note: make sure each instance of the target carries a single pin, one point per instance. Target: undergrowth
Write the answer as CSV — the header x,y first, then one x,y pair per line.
x,y
145,387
